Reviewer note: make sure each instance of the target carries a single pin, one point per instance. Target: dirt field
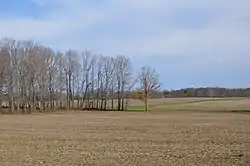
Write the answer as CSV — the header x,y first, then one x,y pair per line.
x,y
125,138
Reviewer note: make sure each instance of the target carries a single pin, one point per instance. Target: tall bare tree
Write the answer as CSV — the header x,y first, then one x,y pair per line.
x,y
60,81
4,61
70,70
149,81
124,80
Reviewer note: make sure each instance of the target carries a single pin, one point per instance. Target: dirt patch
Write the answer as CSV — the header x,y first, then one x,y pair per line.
x,y
122,138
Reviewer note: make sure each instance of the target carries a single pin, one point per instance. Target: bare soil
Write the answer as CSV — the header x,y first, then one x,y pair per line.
x,y
125,138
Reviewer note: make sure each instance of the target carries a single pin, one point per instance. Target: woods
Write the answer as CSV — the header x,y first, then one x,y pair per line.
x,y
207,92
33,77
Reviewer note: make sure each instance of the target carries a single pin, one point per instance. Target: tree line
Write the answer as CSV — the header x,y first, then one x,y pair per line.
x,y
34,77
207,92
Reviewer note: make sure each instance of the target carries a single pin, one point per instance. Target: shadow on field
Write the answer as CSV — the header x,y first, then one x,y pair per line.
x,y
237,111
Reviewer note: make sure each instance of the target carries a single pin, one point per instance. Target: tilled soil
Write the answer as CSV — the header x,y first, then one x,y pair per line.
x,y
125,138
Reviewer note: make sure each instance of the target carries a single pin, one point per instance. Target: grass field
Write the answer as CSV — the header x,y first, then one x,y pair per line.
x,y
194,104
204,136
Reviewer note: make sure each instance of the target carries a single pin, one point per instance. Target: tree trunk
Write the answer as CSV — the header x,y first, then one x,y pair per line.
x,y
0,105
146,104
12,105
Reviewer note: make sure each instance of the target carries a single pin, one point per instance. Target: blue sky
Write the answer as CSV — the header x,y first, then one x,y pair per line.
x,y
191,43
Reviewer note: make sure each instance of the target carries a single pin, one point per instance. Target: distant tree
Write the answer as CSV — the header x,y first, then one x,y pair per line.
x,y
149,81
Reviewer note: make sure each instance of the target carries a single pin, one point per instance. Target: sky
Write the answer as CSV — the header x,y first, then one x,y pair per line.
x,y
191,43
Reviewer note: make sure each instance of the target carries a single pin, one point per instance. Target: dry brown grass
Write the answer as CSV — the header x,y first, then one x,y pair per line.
x,y
125,138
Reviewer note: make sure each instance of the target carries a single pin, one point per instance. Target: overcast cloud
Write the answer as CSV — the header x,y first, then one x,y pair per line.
x,y
189,42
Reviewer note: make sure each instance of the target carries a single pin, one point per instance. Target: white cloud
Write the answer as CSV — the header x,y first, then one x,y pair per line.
x,y
63,19
223,37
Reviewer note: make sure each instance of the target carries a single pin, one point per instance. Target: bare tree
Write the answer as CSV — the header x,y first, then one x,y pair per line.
x,y
4,61
11,47
100,82
70,70
124,80
60,80
87,67
107,76
35,77
149,82
113,80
